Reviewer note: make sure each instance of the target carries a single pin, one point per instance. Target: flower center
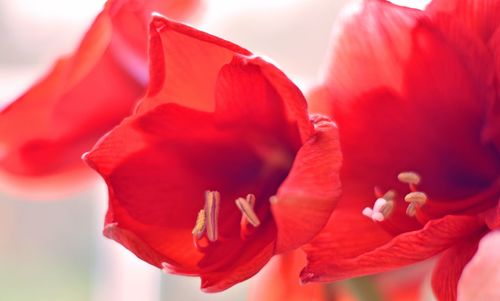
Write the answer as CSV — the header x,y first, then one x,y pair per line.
x,y
207,219
384,204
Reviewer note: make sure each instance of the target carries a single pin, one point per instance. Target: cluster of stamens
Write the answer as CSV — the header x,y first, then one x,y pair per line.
x,y
382,208
384,203
207,219
415,198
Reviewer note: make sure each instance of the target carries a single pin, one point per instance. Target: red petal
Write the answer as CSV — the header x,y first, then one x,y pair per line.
x,y
449,268
310,192
481,277
245,97
492,128
46,130
369,48
481,17
185,58
330,259
279,280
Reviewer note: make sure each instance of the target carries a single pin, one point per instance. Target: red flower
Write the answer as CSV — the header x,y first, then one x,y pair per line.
x,y
278,281
412,91
221,153
45,131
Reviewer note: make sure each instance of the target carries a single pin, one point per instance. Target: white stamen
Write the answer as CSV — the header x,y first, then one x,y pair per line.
x,y
381,208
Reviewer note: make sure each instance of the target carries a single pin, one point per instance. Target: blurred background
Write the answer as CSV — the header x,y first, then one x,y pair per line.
x,y
54,250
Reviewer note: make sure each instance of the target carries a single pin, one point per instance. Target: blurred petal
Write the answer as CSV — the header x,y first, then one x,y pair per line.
x,y
44,132
279,280
481,17
449,267
480,278
372,43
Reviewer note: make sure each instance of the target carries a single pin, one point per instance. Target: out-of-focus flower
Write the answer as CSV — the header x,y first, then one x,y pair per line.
x,y
278,280
45,131
413,93
481,276
220,167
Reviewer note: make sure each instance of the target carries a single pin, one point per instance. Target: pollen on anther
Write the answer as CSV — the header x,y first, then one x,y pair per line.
x,y
416,197
409,177
200,225
212,204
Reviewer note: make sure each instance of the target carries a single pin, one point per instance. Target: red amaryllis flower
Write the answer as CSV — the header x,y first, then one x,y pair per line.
x,y
414,97
220,167
45,131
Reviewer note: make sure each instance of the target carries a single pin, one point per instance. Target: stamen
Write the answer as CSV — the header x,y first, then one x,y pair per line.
x,y
416,197
212,204
409,177
200,225
381,209
389,195
411,210
246,208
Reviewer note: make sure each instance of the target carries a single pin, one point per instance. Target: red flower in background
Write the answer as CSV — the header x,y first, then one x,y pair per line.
x,y
278,281
220,152
45,131
412,91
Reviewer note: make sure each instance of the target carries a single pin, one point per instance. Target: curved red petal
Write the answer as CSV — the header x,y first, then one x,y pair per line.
x,y
325,265
481,17
449,268
480,277
492,127
184,58
279,280
369,48
45,131
307,197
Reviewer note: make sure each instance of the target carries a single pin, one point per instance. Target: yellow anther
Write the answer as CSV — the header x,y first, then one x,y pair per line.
x,y
416,197
246,208
212,204
389,195
199,227
409,177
